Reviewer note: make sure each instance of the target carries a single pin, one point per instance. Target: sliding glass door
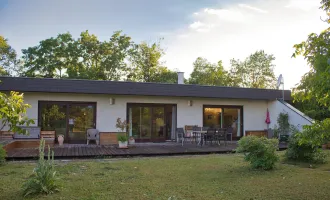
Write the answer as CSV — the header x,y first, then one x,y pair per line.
x,y
150,122
224,117
71,119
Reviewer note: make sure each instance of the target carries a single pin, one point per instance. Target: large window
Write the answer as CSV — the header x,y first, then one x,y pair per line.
x,y
224,117
71,119
151,122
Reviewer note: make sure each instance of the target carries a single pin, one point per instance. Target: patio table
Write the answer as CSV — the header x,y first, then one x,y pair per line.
x,y
200,135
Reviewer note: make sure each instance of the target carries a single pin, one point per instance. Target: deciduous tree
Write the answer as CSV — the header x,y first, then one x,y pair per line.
x,y
256,71
8,59
206,73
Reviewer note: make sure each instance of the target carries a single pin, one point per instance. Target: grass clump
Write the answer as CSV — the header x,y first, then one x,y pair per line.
x,y
43,179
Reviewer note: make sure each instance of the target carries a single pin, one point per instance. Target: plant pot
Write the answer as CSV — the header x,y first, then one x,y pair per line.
x,y
131,140
60,140
122,145
324,146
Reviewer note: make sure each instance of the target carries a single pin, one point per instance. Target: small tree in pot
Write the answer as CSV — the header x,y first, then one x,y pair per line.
x,y
122,139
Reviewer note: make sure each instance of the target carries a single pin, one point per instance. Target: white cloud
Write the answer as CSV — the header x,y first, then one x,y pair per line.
x,y
305,5
236,31
252,8
196,25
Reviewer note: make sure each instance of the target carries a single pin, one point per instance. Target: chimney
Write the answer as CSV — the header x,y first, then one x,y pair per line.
x,y
180,78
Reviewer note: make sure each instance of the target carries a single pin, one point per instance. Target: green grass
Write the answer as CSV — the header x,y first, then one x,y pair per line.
x,y
195,177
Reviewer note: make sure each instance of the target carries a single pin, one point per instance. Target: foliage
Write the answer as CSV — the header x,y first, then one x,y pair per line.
x,y
12,112
8,59
84,58
283,123
122,138
314,88
146,65
3,155
305,145
256,71
43,180
122,125
305,152
259,151
206,73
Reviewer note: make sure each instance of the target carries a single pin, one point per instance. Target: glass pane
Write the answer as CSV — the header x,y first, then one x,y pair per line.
x,y
158,123
53,118
145,123
232,119
135,120
212,117
81,118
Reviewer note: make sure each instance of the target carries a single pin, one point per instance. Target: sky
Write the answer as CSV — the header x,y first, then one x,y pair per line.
x,y
213,29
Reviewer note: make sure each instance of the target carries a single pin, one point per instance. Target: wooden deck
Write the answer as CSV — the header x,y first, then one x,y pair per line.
x,y
95,151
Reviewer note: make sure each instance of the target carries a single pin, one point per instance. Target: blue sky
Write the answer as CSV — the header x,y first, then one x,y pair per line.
x,y
214,29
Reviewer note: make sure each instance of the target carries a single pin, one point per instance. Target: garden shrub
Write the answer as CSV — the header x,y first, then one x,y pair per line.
x,y
305,146
43,180
3,155
304,152
259,151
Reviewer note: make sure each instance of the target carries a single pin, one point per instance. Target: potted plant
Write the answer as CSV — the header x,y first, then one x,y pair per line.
x,y
122,141
122,138
60,139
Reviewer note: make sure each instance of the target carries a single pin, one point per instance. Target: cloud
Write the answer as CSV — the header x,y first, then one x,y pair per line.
x,y
305,5
253,8
237,30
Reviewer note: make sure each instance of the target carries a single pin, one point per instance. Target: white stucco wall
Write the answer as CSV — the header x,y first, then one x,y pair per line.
x,y
296,118
254,111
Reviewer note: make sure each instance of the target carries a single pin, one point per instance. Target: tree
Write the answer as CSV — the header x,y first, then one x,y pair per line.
x,y
8,59
206,73
12,112
146,65
315,86
256,71
84,58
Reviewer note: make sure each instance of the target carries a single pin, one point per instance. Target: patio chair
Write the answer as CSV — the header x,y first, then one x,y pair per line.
x,y
221,135
209,136
196,133
229,132
181,135
93,134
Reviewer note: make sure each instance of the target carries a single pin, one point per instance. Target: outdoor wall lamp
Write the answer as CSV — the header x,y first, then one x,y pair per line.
x,y
112,101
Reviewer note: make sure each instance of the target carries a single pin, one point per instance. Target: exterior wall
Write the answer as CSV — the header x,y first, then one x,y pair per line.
x,y
296,118
254,111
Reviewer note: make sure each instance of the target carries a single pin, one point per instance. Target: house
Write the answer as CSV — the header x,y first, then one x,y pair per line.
x,y
152,110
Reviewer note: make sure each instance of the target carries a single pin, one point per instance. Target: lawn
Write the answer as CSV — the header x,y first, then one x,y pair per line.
x,y
190,177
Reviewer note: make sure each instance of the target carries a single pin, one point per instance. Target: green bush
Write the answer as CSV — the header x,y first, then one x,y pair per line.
x,y
43,180
305,152
259,151
3,155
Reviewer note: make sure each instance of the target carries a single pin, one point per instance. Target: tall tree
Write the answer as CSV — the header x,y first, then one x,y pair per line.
x,y
8,59
256,71
312,93
206,73
50,58
84,58
146,65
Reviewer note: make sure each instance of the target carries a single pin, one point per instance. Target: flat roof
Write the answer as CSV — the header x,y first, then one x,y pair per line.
x,y
24,84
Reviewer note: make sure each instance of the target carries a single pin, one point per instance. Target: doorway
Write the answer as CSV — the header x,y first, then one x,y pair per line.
x,y
150,122
70,119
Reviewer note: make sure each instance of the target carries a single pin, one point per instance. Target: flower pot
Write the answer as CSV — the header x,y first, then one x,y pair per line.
x,y
324,146
131,140
122,145
60,140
